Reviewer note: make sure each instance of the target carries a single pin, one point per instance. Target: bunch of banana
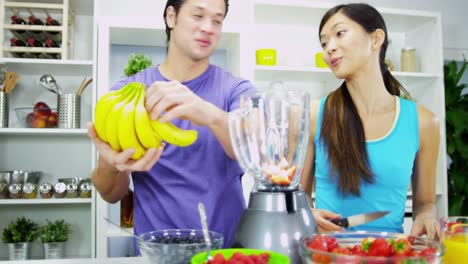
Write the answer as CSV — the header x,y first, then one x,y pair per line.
x,y
122,121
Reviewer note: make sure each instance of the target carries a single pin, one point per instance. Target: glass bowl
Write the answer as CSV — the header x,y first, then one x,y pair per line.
x,y
350,239
275,258
175,246
37,118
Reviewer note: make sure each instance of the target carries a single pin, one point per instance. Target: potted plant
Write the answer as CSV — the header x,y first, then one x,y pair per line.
x,y
456,113
18,235
137,63
53,235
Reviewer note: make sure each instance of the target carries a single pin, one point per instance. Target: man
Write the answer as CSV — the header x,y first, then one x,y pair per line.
x,y
186,90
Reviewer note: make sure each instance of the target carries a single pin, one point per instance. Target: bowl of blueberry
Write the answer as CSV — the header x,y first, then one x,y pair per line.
x,y
175,246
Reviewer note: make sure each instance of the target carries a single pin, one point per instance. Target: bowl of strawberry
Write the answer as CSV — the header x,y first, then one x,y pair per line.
x,y
241,256
370,248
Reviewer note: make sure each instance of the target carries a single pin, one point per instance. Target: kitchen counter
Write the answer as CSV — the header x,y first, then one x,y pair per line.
x,y
132,260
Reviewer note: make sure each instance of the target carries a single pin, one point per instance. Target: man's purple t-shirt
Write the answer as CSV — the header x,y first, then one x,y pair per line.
x,y
167,196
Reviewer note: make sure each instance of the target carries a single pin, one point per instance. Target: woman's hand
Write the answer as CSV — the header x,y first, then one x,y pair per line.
x,y
122,161
323,217
426,223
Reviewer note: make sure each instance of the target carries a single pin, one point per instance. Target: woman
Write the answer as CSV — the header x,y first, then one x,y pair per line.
x,y
366,142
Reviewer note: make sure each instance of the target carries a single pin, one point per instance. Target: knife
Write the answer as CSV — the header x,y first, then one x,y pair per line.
x,y
358,219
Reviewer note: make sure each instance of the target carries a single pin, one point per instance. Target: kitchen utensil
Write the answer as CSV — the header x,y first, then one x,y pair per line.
x,y
3,70
358,219
206,236
83,86
69,110
47,81
269,135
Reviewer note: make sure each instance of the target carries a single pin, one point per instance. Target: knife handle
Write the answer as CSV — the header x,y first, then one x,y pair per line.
x,y
343,222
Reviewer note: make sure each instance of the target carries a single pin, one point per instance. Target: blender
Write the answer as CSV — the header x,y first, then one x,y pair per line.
x,y
269,135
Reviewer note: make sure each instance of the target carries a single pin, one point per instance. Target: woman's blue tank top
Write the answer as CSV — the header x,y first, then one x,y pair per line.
x,y
391,160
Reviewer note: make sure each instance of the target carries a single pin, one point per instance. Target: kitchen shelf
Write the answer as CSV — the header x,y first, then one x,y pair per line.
x,y
43,131
56,67
310,73
46,201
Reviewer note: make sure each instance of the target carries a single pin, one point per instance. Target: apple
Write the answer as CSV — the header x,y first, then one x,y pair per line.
x,y
52,120
30,119
39,122
41,109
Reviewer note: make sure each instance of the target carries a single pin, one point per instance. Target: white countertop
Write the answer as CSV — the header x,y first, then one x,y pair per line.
x,y
132,260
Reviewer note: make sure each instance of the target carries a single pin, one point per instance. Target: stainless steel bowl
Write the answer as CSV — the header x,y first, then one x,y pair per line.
x,y
22,177
71,180
5,177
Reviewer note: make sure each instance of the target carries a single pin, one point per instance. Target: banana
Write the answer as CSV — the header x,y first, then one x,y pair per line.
x,y
113,120
126,132
174,135
103,107
143,128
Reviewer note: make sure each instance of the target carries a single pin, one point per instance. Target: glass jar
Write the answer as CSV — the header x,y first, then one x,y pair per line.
x,y
3,190
45,190
409,61
29,190
126,210
85,190
72,190
15,191
60,190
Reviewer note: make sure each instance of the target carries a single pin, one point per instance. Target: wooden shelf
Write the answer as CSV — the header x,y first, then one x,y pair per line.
x,y
46,201
43,131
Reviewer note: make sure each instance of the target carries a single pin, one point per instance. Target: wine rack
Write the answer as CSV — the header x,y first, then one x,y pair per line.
x,y
39,30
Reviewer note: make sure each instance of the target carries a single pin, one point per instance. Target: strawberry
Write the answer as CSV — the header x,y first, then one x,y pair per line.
x,y
366,243
319,243
342,251
428,252
332,243
380,247
358,251
401,247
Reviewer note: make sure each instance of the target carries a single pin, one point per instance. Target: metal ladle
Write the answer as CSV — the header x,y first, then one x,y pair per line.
x,y
46,80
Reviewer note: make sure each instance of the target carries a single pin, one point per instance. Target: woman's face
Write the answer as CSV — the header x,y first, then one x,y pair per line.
x,y
196,30
346,46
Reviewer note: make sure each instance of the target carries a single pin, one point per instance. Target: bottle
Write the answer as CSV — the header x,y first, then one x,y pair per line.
x,y
408,60
49,42
72,190
56,36
29,190
14,42
20,34
45,190
34,21
60,190
34,42
126,210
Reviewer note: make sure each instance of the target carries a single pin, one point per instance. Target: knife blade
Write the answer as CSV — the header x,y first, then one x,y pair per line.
x,y
358,219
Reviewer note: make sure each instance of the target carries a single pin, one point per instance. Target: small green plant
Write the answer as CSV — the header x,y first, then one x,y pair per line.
x,y
456,113
20,230
137,63
57,231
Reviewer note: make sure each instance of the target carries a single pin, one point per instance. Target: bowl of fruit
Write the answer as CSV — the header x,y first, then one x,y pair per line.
x,y
39,116
175,246
369,247
241,255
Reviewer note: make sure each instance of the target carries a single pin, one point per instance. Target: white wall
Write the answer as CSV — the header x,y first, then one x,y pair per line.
x,y
455,35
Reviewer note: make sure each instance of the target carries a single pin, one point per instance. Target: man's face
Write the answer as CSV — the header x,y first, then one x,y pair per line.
x,y
196,29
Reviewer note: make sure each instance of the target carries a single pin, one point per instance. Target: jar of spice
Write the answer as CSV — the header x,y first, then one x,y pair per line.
x,y
60,190
3,190
72,190
29,190
409,61
85,190
15,191
45,190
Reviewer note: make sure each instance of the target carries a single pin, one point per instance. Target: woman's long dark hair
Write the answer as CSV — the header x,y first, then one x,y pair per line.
x,y
342,131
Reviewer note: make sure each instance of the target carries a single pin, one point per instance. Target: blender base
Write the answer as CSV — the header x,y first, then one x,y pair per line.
x,y
275,221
